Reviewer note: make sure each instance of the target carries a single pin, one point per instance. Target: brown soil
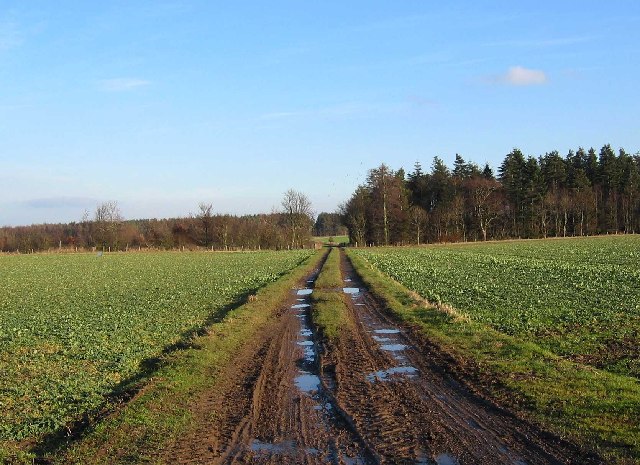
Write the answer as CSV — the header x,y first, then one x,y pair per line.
x,y
382,394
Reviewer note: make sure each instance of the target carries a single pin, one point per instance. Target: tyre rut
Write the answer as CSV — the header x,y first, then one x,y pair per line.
x,y
405,402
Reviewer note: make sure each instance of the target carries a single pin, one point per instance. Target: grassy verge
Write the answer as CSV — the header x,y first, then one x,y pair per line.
x,y
330,277
594,408
332,240
159,412
330,311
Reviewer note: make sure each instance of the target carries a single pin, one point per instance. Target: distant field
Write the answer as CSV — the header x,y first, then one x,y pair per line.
x,y
579,298
74,326
336,239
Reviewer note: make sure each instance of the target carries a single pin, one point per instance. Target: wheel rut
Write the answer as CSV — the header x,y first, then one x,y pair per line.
x,y
272,406
406,402
381,394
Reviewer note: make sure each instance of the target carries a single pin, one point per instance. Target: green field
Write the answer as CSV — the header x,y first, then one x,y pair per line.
x,y
580,298
75,327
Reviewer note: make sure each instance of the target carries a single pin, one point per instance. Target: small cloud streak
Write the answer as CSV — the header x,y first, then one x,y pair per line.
x,y
60,202
521,76
546,42
122,84
422,102
342,110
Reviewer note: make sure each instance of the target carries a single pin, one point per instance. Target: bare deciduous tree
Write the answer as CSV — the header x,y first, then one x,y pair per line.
x,y
298,215
108,220
205,216
418,219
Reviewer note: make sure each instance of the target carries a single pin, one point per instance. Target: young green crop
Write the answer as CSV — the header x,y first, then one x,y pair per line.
x,y
73,327
579,297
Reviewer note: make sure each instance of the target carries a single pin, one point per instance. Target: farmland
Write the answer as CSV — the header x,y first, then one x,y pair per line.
x,y
76,327
578,298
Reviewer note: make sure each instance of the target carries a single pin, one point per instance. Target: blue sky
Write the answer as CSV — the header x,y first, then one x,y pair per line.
x,y
162,105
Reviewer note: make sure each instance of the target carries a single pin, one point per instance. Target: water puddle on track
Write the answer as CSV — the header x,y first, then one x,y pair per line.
x,y
388,339
283,448
351,290
307,379
385,375
440,459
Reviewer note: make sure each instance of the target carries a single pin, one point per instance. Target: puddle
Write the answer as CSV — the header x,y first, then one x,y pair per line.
x,y
351,290
309,355
296,306
446,459
360,305
423,460
279,448
474,424
307,382
352,460
272,448
305,343
304,291
381,339
347,280
306,333
393,347
386,331
386,375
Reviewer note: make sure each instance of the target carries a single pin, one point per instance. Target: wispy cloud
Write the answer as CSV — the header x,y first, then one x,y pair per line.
x,y
341,110
122,84
520,76
10,35
398,22
60,202
542,42
418,101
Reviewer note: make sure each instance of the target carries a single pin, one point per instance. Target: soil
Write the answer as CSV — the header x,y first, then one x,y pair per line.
x,y
381,395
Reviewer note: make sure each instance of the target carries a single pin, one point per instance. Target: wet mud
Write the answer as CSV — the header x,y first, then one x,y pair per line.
x,y
380,395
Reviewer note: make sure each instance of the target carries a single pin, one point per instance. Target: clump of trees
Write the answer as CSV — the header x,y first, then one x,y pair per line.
x,y
582,193
329,224
106,229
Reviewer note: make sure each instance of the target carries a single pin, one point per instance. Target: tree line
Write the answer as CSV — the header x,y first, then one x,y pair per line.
x,y
582,193
289,227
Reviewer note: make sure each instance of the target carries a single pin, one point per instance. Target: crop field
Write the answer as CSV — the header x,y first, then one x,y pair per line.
x,y
579,298
73,327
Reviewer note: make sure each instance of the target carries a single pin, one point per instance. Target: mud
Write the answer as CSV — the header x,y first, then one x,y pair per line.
x,y
380,395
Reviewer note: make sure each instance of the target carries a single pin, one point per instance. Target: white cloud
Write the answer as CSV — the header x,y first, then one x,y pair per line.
x,y
521,76
122,84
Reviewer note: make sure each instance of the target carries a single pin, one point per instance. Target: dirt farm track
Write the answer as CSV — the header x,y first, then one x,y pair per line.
x,y
380,395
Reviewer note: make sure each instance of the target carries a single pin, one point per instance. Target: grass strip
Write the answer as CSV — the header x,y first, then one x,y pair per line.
x,y
329,310
594,408
159,413
330,277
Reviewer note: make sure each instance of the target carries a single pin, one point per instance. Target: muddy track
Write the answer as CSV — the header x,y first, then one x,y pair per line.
x,y
410,409
382,394
271,407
